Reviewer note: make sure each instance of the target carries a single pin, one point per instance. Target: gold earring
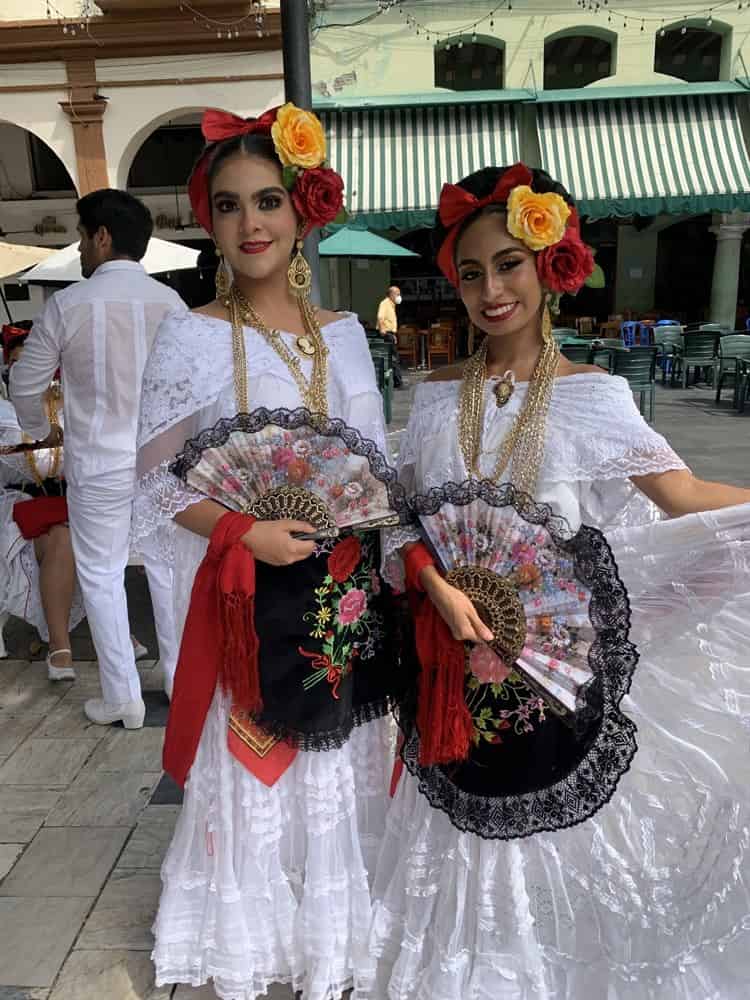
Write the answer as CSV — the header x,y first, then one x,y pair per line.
x,y
299,274
222,279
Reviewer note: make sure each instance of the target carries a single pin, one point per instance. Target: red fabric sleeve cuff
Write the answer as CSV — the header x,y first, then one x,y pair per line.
x,y
415,560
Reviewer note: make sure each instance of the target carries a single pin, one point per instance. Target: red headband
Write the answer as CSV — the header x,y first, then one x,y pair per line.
x,y
217,126
457,205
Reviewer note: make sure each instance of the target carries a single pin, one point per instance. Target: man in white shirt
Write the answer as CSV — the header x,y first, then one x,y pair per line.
x,y
99,332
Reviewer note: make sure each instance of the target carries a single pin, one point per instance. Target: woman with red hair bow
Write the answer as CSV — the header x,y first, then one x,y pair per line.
x,y
266,879
510,870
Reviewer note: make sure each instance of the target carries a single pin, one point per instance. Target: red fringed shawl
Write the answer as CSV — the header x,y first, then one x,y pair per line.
x,y
219,643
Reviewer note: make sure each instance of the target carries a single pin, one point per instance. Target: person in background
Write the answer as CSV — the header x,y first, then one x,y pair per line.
x,y
99,332
387,324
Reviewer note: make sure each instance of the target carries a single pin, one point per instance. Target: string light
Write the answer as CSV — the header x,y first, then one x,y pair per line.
x,y
223,28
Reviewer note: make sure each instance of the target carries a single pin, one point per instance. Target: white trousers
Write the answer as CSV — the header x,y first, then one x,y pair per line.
x,y
161,585
99,516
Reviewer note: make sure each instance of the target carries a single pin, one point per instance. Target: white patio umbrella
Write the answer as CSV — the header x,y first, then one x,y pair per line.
x,y
64,266
15,257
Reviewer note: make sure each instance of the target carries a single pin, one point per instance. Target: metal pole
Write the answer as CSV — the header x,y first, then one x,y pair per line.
x,y
295,34
5,303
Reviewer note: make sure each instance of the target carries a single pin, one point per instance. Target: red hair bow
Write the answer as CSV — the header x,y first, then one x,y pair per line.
x,y
457,204
216,126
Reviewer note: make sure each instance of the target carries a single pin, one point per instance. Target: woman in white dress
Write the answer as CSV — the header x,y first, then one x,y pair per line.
x,y
38,574
266,879
648,898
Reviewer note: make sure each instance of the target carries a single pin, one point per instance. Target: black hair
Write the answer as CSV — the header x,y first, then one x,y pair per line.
x,y
483,182
251,144
125,218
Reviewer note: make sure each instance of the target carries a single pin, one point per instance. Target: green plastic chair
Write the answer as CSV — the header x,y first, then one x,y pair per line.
x,y
638,366
602,357
579,354
669,342
384,378
699,352
733,347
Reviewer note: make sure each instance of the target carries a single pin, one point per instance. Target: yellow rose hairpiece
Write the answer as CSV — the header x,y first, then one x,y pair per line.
x,y
298,138
539,220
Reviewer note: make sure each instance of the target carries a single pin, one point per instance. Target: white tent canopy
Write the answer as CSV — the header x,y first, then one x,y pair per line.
x,y
64,266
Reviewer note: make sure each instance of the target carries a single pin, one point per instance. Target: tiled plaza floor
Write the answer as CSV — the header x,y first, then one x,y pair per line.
x,y
85,817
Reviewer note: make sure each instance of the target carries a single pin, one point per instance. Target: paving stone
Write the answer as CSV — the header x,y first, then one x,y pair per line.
x,y
149,841
124,913
108,975
37,935
8,856
51,763
23,810
65,861
21,699
22,993
104,798
67,720
128,750
168,793
14,729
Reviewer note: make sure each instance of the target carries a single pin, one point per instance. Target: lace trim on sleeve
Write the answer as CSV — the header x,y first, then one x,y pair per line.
x,y
159,497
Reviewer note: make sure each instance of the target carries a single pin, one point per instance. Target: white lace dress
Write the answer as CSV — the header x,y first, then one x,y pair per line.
x,y
650,898
19,569
260,885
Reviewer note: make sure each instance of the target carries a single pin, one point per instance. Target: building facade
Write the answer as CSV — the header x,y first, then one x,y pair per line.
x,y
643,114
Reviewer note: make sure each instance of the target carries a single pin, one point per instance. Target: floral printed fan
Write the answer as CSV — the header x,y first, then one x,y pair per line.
x,y
520,567
277,464
548,741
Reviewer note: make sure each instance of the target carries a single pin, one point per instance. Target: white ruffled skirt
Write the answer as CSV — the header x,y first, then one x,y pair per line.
x,y
19,572
265,885
650,898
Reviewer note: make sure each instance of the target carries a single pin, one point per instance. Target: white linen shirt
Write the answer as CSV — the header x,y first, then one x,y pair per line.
x,y
99,332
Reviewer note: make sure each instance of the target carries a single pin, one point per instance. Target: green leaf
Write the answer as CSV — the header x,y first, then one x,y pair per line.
x,y
596,278
497,690
342,218
289,177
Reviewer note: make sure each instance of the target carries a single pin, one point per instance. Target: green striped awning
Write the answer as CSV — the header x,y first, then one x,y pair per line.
x,y
394,161
648,155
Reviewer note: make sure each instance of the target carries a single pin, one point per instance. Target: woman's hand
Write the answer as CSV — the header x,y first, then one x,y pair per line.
x,y
273,542
455,608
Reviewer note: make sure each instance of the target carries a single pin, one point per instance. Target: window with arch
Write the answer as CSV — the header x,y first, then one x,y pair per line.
x,y
166,157
690,53
468,64
576,61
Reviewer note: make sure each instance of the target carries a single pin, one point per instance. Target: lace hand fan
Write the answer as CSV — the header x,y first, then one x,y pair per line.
x,y
277,464
549,741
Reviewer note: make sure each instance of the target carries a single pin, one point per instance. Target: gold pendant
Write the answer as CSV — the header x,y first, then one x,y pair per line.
x,y
504,388
306,346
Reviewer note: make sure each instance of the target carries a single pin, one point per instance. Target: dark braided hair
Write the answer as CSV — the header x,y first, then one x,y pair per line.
x,y
482,183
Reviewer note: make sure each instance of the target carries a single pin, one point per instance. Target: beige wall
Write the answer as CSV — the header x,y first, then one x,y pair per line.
x,y
389,58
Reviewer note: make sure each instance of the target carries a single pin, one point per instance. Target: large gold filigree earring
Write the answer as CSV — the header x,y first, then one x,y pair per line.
x,y
223,278
299,274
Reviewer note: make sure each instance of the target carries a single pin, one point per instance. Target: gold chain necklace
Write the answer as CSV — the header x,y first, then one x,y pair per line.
x,y
56,452
314,392
524,443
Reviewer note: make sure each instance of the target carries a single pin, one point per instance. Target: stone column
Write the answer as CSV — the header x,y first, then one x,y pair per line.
x,y
86,108
728,228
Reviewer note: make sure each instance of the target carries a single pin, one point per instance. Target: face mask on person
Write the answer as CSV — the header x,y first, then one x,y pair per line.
x,y
398,300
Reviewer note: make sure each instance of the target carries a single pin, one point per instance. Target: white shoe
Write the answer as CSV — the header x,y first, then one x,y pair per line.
x,y
139,650
54,673
131,714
